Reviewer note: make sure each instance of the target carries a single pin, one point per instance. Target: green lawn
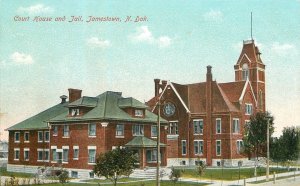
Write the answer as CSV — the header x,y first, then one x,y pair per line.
x,y
229,174
142,183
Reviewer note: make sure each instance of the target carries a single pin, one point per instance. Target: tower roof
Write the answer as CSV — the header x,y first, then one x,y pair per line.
x,y
250,51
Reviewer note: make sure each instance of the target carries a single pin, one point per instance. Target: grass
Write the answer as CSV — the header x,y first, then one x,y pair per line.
x,y
140,183
3,172
229,174
125,179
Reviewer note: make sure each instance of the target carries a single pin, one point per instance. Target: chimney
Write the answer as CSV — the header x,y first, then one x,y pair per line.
x,y
74,94
209,114
163,84
208,74
63,99
156,86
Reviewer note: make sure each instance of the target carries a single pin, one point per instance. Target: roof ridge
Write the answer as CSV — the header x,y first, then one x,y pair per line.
x,y
225,98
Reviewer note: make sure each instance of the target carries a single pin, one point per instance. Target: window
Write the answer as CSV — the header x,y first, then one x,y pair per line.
x,y
55,130
26,137
198,126
173,127
183,147
75,112
198,147
75,152
248,109
239,146
218,147
16,154
40,136
245,72
54,154
236,125
138,113
26,154
47,136
47,155
92,155
137,130
66,131
65,155
17,137
92,129
120,130
40,154
151,155
218,126
153,131
74,174
260,99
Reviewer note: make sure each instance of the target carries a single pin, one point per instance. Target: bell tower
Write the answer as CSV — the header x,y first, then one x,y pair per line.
x,y
250,67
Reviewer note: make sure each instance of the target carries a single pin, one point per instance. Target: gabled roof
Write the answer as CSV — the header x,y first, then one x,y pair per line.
x,y
142,141
233,90
250,51
108,108
39,121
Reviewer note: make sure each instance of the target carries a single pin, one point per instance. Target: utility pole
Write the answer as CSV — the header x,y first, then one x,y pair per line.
x,y
158,144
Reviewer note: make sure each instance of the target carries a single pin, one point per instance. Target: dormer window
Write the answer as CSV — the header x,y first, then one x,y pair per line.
x,y
75,112
138,113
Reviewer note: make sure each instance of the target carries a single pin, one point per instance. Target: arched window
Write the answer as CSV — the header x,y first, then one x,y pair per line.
x,y
245,72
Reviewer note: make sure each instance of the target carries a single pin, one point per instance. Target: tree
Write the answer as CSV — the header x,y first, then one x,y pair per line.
x,y
201,166
277,150
113,164
255,139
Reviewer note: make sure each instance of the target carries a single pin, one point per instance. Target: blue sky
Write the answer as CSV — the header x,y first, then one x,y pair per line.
x,y
39,61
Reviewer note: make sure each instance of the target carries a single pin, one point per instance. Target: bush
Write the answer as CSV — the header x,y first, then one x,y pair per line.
x,y
63,176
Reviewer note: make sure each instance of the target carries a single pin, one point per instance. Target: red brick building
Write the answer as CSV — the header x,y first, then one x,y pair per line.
x,y
71,134
206,119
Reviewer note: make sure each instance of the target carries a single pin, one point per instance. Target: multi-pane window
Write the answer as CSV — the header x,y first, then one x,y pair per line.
x,y
198,126
47,136
75,112
75,152
54,154
40,154
260,99
154,131
17,137
218,125
236,125
26,137
137,130
183,147
151,155
198,147
239,146
92,129
173,127
40,136
16,154
66,131
138,112
248,109
218,147
92,155
46,155
120,130
26,154
65,155
55,130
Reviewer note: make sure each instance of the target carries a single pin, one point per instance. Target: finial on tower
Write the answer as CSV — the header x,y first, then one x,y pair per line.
x,y
251,27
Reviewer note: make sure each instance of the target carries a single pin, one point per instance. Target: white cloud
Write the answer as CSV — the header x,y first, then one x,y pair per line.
x,y
213,15
143,34
35,9
96,42
21,58
164,41
283,49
